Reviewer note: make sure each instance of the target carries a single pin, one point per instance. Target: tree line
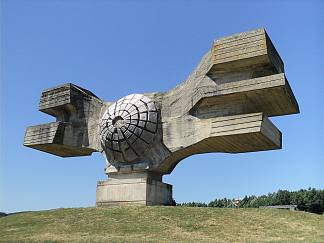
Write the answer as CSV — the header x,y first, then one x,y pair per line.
x,y
309,200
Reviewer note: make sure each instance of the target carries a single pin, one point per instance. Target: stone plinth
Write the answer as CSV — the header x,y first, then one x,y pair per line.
x,y
135,188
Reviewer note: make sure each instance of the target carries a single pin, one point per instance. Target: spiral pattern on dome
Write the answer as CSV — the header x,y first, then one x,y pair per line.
x,y
128,127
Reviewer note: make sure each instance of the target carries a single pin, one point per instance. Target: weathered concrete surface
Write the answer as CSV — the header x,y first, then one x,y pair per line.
x,y
128,128
75,131
135,188
223,106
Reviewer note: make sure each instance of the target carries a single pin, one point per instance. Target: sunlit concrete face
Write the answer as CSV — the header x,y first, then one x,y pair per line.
x,y
223,106
128,128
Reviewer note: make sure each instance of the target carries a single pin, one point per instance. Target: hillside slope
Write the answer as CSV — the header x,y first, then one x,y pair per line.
x,y
162,224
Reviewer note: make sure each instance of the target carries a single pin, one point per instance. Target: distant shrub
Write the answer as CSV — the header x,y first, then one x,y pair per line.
x,y
192,204
310,200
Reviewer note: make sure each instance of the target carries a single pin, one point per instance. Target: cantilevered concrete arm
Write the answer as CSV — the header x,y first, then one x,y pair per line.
x,y
75,131
223,106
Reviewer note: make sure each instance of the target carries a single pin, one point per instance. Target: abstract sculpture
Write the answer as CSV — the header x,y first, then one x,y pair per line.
x,y
223,106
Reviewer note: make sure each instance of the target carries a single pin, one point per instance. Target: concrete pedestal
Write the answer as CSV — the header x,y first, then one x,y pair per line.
x,y
136,188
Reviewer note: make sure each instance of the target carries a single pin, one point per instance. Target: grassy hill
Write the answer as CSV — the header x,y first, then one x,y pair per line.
x,y
162,224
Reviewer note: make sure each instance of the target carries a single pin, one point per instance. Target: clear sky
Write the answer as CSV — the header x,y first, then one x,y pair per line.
x,y
115,48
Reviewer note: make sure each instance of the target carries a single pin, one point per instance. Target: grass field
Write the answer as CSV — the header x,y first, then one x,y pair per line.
x,y
162,224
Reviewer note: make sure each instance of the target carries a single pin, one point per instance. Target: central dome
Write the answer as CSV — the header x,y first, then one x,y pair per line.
x,y
128,127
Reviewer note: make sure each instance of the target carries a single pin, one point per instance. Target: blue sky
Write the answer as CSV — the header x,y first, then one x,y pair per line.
x,y
115,48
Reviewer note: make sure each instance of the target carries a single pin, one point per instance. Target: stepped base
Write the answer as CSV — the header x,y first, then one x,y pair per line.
x,y
135,188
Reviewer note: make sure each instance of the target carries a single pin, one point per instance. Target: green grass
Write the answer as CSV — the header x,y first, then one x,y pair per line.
x,y
162,224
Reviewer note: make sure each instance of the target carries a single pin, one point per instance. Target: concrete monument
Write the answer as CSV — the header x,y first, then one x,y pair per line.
x,y
223,106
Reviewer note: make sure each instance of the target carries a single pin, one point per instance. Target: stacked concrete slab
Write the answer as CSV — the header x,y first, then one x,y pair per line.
x,y
223,106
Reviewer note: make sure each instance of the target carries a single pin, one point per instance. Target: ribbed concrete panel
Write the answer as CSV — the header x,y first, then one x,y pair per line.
x,y
245,50
230,134
46,133
55,138
271,94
